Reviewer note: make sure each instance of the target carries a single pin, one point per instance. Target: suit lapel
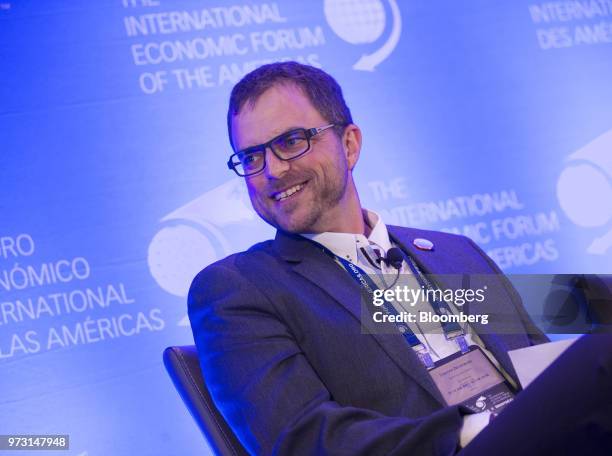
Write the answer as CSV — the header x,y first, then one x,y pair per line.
x,y
317,267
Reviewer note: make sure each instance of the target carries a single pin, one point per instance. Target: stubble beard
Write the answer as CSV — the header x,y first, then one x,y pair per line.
x,y
326,198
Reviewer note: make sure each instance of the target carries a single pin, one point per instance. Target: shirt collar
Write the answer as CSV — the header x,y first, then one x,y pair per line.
x,y
345,245
379,234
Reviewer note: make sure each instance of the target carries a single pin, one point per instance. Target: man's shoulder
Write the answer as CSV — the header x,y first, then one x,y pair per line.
x,y
255,256
235,274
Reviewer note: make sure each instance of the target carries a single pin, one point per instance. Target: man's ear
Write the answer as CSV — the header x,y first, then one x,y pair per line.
x,y
351,143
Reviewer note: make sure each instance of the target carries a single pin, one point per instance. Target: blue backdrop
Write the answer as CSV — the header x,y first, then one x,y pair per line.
x,y
492,119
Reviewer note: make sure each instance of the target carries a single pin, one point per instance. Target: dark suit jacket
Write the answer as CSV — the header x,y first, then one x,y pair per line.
x,y
286,361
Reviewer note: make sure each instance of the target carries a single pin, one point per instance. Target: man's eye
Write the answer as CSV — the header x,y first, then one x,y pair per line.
x,y
250,159
293,140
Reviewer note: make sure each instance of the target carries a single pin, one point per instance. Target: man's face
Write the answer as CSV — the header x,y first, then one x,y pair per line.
x,y
305,195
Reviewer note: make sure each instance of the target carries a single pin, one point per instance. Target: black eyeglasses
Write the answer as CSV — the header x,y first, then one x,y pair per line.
x,y
287,146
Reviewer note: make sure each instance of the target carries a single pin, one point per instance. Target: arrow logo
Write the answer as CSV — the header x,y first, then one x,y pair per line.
x,y
368,62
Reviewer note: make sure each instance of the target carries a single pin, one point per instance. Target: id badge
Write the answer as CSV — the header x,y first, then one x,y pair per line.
x,y
472,380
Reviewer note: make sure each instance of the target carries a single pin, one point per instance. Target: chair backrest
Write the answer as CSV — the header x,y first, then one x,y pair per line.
x,y
183,365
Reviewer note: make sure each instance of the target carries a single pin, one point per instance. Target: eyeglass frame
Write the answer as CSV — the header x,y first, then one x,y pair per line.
x,y
308,132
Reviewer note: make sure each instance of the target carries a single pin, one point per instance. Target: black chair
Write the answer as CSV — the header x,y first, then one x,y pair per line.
x,y
184,368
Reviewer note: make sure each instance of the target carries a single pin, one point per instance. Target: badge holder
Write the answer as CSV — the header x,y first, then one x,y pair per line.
x,y
472,380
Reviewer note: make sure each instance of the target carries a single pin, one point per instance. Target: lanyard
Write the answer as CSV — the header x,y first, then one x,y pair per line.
x,y
452,330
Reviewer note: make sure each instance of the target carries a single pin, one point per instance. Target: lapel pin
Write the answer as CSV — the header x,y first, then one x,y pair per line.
x,y
423,244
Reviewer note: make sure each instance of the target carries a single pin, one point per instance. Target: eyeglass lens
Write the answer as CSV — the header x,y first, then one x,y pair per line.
x,y
286,147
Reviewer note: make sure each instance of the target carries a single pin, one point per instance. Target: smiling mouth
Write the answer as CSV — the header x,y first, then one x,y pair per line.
x,y
280,196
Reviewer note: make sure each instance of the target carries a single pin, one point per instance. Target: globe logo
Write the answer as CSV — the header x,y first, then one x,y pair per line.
x,y
356,21
481,402
363,22
197,234
584,190
177,253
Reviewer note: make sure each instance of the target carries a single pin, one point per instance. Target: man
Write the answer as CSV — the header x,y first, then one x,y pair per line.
x,y
279,328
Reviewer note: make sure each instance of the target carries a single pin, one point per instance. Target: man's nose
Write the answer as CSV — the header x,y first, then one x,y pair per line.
x,y
275,167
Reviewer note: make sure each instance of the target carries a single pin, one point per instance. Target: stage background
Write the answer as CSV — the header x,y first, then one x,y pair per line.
x,y
492,119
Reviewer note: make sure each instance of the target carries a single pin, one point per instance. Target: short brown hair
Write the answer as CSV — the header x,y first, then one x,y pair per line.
x,y
322,90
